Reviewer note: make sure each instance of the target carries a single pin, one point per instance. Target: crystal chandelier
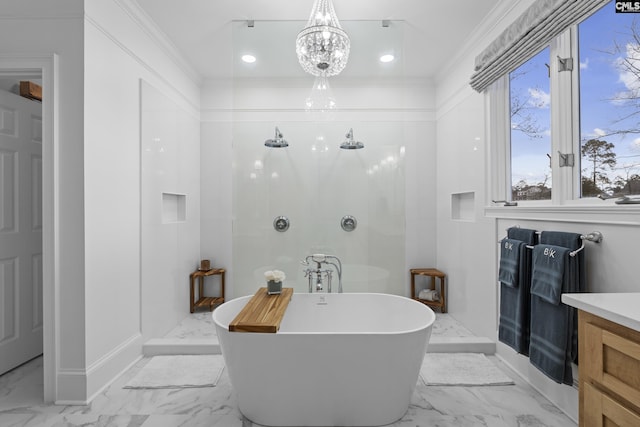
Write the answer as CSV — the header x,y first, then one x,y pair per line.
x,y
323,46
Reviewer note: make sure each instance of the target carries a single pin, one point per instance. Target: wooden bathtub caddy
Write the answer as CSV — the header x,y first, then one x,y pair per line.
x,y
263,312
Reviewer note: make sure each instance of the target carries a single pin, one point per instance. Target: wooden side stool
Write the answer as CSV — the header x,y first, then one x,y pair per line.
x,y
433,274
203,301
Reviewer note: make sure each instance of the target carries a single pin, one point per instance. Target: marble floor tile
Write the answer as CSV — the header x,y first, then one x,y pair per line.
x,y
516,405
447,326
21,403
195,325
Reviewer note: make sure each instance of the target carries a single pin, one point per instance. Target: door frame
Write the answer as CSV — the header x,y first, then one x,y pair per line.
x,y
45,66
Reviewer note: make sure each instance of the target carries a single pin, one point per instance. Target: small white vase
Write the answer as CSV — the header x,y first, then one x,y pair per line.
x,y
273,287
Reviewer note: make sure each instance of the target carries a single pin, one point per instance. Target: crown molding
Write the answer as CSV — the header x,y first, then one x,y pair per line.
x,y
191,107
140,17
41,17
476,40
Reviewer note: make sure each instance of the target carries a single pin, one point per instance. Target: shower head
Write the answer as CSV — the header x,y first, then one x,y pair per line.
x,y
277,141
350,143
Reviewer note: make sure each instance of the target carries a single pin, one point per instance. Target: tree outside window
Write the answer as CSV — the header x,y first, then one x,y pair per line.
x,y
530,129
609,66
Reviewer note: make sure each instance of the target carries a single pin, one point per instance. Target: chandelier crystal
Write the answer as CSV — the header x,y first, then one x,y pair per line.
x,y
323,46
321,96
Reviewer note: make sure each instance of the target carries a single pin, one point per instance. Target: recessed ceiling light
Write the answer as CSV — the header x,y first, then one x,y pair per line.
x,y
249,59
387,58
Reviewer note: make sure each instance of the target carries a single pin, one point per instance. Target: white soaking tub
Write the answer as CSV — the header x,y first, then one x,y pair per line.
x,y
350,359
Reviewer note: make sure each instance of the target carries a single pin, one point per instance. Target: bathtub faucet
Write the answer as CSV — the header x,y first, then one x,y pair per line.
x,y
319,260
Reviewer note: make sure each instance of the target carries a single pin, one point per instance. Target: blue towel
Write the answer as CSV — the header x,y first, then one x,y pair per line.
x,y
530,237
548,272
510,250
554,330
513,328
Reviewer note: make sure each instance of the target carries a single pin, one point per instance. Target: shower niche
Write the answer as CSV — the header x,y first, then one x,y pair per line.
x,y
316,183
174,208
463,206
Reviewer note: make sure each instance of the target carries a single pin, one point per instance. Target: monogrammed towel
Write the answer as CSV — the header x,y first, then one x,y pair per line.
x,y
510,251
548,272
554,327
513,327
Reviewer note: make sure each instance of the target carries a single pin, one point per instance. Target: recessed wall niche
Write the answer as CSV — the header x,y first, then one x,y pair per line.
x,y
174,208
463,206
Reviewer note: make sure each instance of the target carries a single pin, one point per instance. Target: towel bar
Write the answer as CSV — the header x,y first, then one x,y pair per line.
x,y
594,236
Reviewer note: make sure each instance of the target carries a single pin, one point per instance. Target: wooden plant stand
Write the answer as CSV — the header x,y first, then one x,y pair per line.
x,y
203,301
433,274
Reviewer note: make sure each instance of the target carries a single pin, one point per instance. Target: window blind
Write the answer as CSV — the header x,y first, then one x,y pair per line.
x,y
527,35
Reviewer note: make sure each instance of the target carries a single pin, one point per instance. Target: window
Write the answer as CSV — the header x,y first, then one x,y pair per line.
x,y
571,129
609,45
530,118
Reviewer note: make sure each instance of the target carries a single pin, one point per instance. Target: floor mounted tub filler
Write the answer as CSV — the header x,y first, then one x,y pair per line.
x,y
349,359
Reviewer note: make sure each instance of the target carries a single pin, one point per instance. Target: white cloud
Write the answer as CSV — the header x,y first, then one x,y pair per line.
x,y
539,98
627,76
636,144
596,133
584,65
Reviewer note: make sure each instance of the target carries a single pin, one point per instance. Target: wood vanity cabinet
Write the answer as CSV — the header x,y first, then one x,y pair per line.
x,y
609,366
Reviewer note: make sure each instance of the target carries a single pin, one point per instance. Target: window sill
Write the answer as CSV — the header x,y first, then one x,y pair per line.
x,y
610,214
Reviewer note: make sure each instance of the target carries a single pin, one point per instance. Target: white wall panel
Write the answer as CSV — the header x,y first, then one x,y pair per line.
x,y
8,299
170,197
8,191
120,51
36,292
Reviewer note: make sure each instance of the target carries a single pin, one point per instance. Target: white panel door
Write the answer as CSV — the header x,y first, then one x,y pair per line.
x,y
20,230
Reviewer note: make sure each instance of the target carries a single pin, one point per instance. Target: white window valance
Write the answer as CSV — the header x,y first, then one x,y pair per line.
x,y
527,35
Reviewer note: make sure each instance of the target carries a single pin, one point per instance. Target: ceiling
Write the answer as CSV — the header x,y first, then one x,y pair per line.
x,y
211,35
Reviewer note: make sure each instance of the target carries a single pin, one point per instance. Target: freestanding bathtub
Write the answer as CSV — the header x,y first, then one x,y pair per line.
x,y
350,359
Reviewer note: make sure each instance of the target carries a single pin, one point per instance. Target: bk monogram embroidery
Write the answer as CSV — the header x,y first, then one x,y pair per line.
x,y
551,253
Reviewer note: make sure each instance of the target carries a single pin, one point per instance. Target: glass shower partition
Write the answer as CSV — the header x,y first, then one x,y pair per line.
x,y
314,184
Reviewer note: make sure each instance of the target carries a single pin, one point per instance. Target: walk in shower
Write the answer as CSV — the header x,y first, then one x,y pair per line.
x,y
348,203
331,179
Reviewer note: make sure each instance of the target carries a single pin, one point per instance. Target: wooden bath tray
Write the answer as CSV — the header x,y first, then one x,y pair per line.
x,y
263,312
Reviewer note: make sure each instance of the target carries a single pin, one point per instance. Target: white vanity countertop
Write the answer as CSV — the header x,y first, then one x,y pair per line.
x,y
621,308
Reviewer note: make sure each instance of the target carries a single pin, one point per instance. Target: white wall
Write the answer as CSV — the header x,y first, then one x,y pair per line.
x,y
121,49
468,250
408,103
170,217
37,28
464,251
315,183
216,170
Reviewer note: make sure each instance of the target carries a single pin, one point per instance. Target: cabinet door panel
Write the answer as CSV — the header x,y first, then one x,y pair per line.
x,y
614,361
602,411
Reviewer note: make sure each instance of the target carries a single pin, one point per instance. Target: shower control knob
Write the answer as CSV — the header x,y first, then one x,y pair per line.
x,y
348,223
281,224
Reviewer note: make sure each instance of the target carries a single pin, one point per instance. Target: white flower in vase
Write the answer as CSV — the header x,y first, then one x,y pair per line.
x,y
274,276
274,281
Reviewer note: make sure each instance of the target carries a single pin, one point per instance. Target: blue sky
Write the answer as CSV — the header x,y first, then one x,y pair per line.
x,y
600,80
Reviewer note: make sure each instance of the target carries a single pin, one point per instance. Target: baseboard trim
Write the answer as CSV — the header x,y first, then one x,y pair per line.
x,y
72,387
514,363
173,346
105,370
461,345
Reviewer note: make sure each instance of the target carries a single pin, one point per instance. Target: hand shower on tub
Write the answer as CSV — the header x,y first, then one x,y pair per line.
x,y
320,259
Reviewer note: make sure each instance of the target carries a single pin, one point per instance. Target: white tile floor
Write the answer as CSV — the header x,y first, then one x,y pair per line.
x,y
21,402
